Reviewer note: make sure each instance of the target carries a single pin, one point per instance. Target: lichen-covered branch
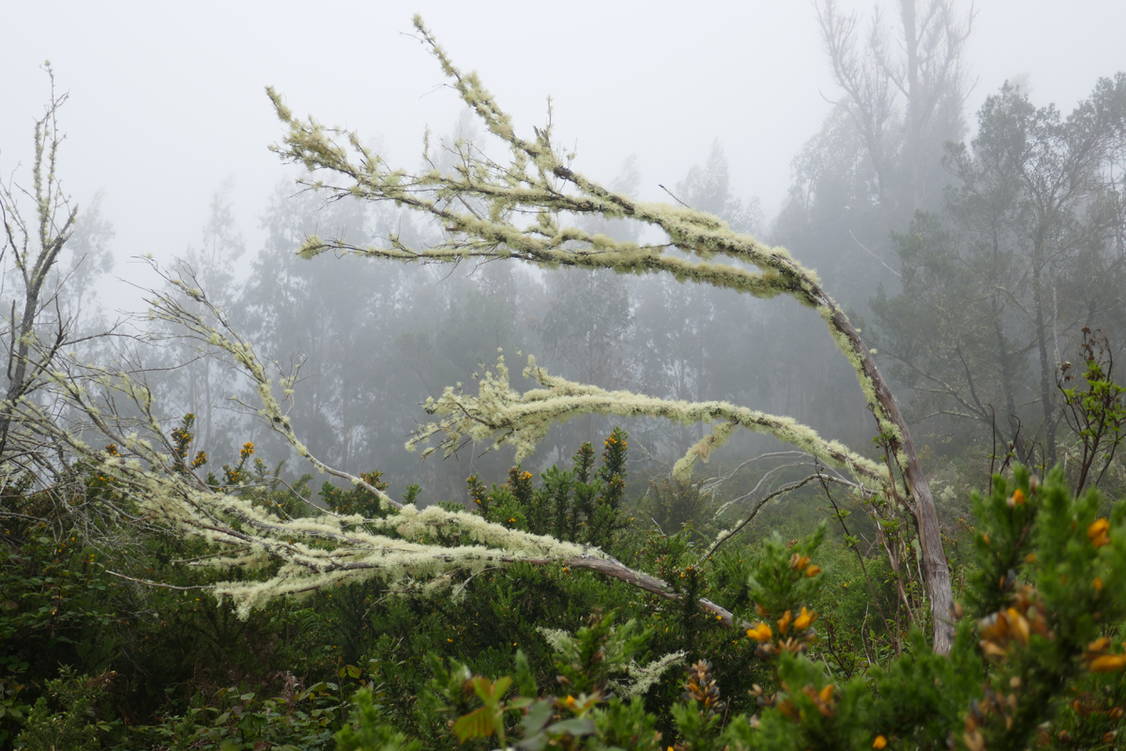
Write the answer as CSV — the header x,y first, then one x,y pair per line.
x,y
410,548
524,208
500,414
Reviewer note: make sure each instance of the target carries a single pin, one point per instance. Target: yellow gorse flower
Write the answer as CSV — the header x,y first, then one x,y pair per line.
x,y
1097,532
805,619
1108,663
760,632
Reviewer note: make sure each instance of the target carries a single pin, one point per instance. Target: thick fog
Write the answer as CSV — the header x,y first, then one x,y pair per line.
x,y
167,100
168,128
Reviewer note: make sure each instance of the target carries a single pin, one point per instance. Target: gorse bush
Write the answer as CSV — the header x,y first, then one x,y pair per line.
x,y
582,504
537,657
1039,658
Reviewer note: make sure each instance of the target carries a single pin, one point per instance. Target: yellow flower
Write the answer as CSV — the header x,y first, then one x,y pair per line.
x,y
994,627
1108,663
784,622
1097,584
760,632
1016,499
813,570
1097,532
805,619
880,742
246,450
1018,624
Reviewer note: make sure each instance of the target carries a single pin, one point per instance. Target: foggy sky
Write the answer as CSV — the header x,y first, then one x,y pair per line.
x,y
167,99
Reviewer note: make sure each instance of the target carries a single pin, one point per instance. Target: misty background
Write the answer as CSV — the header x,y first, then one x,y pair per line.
x,y
972,230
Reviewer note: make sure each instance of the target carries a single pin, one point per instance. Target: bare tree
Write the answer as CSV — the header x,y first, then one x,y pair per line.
x,y
904,104
37,327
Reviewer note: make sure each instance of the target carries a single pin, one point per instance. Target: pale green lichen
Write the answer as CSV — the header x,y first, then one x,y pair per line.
x,y
702,449
294,556
644,677
498,414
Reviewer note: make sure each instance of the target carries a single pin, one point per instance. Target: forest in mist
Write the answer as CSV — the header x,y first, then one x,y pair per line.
x,y
236,473
920,214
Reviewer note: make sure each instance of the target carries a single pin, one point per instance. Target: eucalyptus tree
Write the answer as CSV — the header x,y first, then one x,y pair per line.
x,y
902,94
877,157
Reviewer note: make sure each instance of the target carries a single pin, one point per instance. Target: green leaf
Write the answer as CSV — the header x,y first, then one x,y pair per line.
x,y
537,717
480,723
576,726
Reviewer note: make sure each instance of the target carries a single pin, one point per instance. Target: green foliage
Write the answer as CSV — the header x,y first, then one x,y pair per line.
x,y
67,716
368,730
674,504
52,598
355,500
235,719
1034,659
583,504
535,658
784,577
1095,408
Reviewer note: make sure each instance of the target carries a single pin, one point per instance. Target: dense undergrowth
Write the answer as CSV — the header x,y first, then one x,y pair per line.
x,y
95,655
